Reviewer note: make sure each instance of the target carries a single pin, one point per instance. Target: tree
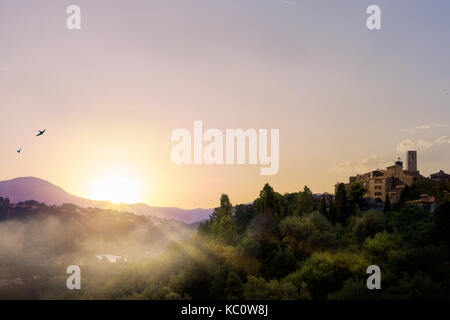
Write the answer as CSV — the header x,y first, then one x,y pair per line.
x,y
424,185
306,201
311,232
234,286
222,225
442,218
260,289
289,205
268,200
370,223
419,286
323,206
326,272
282,263
416,225
383,245
332,213
404,196
387,204
243,214
341,204
262,226
355,194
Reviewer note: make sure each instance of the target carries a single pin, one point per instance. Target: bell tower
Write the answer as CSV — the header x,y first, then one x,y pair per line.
x,y
412,161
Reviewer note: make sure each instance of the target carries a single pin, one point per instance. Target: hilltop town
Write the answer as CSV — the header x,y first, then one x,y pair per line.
x,y
390,183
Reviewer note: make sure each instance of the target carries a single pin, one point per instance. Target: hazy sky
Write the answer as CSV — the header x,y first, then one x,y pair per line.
x,y
345,99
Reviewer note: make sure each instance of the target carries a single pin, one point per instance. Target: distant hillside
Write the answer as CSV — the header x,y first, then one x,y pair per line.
x,y
187,216
30,188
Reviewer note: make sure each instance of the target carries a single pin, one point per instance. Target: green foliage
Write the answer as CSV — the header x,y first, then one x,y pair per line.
x,y
420,286
370,223
261,289
355,193
406,195
310,233
263,226
222,224
277,260
325,272
424,186
268,201
289,205
249,246
291,246
306,201
37,246
234,287
354,289
383,246
442,218
387,204
323,206
342,209
243,214
427,259
332,213
414,223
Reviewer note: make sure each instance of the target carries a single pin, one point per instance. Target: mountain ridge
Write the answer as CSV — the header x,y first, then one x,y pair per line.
x,y
32,188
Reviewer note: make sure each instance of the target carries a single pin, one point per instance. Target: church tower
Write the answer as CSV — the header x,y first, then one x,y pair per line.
x,y
412,161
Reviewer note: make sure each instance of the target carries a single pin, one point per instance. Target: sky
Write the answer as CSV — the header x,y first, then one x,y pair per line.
x,y
345,99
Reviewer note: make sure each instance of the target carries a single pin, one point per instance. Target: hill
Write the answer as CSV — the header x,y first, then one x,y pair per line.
x,y
31,188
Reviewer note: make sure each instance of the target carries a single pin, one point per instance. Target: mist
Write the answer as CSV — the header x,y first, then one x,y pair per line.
x,y
39,242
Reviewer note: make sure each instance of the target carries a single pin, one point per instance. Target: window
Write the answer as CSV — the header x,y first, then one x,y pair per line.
x,y
378,180
378,187
378,193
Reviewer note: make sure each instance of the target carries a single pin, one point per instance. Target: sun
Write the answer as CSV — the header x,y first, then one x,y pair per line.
x,y
116,188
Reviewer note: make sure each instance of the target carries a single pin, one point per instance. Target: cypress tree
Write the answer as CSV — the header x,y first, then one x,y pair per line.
x,y
404,196
323,207
332,213
341,204
387,204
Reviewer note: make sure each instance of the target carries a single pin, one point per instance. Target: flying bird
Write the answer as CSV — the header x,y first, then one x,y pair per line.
x,y
18,151
41,132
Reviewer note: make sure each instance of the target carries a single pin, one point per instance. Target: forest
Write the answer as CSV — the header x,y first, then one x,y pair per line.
x,y
296,246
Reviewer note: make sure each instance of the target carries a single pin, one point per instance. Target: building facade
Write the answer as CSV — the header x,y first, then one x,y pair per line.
x,y
392,180
440,177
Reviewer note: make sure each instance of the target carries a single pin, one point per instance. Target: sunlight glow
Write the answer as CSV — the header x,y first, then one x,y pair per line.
x,y
116,188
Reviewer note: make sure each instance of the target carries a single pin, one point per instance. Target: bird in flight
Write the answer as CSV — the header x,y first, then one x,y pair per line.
x,y
18,151
41,132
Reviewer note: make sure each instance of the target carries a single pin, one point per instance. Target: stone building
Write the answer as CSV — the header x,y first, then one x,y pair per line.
x,y
440,176
427,202
392,180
